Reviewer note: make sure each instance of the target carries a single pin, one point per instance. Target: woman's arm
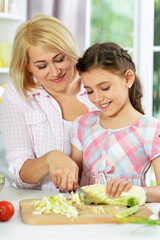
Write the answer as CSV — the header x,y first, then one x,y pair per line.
x,y
153,192
27,170
63,170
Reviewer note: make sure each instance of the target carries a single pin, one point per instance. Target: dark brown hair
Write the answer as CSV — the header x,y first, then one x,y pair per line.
x,y
112,57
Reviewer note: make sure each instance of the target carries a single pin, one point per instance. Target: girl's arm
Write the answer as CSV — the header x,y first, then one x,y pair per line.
x,y
153,192
77,156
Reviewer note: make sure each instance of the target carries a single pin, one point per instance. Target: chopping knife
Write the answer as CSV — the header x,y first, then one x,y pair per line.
x,y
87,199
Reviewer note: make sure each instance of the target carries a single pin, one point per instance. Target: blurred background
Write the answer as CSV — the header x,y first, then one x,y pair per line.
x,y
133,24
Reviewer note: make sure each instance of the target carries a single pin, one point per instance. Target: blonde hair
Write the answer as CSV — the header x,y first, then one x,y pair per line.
x,y
44,31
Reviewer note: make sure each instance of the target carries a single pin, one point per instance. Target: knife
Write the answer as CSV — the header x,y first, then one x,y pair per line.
x,y
87,199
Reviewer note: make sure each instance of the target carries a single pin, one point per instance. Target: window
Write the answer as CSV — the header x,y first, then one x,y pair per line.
x,y
156,60
112,22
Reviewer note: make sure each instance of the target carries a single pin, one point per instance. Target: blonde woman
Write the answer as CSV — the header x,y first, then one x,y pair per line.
x,y
39,105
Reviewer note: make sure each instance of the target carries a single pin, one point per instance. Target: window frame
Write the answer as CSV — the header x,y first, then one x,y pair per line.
x,y
143,46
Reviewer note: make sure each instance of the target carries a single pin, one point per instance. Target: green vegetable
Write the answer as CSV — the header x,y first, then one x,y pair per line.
x,y
127,212
139,220
58,205
121,214
97,193
1,179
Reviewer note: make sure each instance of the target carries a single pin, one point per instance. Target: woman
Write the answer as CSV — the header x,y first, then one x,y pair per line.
x,y
40,104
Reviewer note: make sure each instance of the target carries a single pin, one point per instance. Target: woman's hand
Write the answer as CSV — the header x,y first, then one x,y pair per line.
x,y
116,186
63,170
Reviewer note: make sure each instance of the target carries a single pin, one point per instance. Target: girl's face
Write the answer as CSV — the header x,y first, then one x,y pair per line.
x,y
109,92
53,70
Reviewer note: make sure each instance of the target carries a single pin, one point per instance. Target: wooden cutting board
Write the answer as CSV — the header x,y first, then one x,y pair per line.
x,y
86,217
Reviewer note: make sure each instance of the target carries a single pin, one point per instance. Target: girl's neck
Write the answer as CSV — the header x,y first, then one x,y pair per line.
x,y
120,120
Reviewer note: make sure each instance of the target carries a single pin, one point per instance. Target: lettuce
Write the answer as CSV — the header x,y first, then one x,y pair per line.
x,y
126,212
57,204
60,205
97,192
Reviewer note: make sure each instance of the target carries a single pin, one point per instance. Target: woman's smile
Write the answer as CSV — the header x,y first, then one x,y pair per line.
x,y
58,79
53,70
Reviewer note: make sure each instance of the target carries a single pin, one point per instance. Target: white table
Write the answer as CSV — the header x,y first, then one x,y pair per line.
x,y
16,229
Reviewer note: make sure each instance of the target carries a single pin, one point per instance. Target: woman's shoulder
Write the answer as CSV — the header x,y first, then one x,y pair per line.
x,y
11,96
10,92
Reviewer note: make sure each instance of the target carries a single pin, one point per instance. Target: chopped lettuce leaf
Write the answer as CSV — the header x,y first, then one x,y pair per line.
x,y
77,198
98,209
57,204
127,212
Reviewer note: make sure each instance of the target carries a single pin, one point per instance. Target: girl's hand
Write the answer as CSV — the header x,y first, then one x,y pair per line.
x,y
63,170
116,186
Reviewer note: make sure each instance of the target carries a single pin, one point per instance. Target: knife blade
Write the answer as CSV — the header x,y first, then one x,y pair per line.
x,y
87,199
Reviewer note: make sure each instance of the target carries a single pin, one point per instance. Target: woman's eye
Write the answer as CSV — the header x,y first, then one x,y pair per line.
x,y
41,67
60,59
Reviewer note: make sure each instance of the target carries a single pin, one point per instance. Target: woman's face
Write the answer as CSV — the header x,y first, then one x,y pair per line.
x,y
109,92
53,70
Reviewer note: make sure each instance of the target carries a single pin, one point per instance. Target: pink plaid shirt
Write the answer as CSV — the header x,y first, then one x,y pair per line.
x,y
125,153
30,131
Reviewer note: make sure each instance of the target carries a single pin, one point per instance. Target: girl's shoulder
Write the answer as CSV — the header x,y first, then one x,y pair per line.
x,y
89,115
88,118
149,121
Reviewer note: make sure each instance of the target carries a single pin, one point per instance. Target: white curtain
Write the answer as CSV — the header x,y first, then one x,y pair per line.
x,y
71,12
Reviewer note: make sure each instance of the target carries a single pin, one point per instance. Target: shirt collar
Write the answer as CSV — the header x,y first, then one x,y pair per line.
x,y
39,90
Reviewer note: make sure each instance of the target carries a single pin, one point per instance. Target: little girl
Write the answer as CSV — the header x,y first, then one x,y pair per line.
x,y
116,145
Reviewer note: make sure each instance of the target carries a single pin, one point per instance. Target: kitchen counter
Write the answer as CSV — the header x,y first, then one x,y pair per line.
x,y
16,229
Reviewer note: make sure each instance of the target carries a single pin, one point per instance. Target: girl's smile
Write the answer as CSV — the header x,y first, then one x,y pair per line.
x,y
108,91
105,105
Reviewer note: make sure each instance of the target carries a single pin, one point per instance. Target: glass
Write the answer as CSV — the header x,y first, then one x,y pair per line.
x,y
156,85
157,23
112,20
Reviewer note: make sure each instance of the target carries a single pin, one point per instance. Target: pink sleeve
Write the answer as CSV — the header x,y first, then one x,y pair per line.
x,y
156,142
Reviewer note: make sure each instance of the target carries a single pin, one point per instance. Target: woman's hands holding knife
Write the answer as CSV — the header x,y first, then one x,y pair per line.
x,y
63,170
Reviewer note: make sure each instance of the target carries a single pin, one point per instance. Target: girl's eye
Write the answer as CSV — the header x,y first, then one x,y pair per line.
x,y
41,67
89,92
105,89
